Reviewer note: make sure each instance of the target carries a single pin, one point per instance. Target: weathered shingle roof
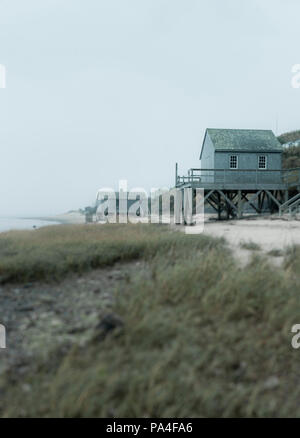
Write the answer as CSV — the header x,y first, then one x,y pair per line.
x,y
243,140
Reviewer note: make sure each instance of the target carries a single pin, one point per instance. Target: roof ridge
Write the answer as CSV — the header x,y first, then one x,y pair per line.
x,y
240,129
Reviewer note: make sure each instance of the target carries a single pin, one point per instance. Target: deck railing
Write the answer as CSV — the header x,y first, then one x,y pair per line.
x,y
287,177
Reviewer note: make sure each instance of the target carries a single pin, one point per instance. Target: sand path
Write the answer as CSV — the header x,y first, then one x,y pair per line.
x,y
269,233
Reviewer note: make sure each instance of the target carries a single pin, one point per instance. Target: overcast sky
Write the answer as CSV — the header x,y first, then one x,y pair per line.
x,y
99,91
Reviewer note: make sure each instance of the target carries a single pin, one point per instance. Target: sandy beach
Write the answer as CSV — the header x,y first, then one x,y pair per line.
x,y
269,233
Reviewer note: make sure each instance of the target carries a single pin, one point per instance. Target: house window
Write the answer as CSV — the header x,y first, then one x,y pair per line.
x,y
262,162
233,162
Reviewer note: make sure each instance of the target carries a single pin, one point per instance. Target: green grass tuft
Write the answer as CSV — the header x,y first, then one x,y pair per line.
x,y
276,253
251,246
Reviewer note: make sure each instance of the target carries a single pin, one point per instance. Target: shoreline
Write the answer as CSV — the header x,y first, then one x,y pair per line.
x,y
64,218
19,223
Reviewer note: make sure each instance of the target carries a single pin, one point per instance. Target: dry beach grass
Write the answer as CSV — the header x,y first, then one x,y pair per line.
x,y
189,333
49,253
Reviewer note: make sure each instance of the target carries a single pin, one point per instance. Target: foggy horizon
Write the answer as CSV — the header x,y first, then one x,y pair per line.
x,y
97,91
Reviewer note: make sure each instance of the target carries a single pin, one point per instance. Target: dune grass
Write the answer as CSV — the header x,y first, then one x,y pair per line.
x,y
276,252
50,253
292,259
250,245
289,136
200,337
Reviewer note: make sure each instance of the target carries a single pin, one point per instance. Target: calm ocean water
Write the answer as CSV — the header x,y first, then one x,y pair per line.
x,y
7,224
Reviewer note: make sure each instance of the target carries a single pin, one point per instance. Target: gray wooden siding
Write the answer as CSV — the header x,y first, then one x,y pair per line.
x,y
247,160
208,158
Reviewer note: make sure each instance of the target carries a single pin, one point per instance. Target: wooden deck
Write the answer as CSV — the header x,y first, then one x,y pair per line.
x,y
235,179
234,191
